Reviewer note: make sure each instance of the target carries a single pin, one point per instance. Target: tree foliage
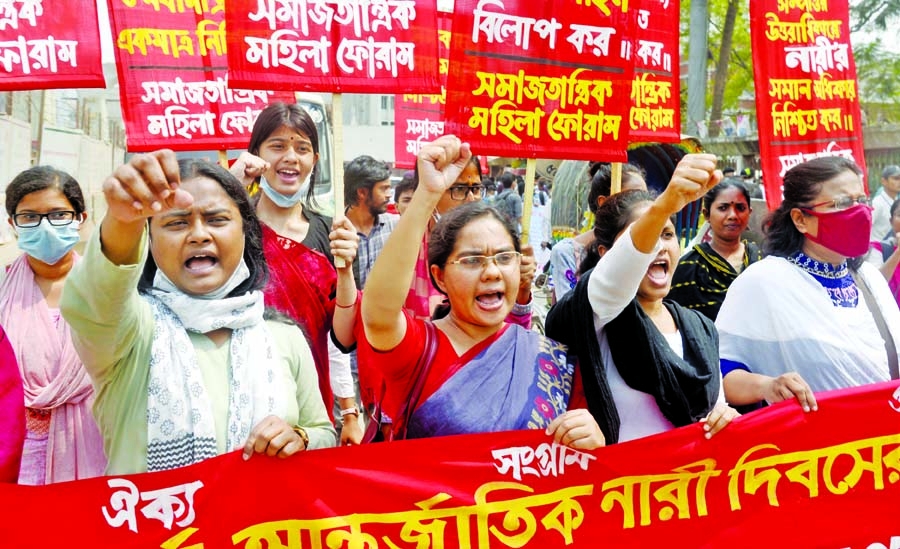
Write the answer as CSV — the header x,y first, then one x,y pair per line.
x,y
874,14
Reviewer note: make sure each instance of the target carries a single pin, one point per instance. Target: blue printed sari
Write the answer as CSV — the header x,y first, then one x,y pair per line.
x,y
521,380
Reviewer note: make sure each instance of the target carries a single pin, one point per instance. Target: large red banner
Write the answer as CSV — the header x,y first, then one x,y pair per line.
x,y
385,46
419,118
655,93
46,45
542,79
175,93
775,478
807,99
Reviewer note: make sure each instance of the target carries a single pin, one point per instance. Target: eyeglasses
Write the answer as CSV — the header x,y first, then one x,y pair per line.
x,y
843,202
476,262
459,192
57,219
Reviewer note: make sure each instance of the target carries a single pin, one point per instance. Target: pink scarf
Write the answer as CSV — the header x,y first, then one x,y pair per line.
x,y
53,378
12,414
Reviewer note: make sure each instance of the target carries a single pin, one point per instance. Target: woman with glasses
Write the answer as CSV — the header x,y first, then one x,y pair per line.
x,y
647,364
485,374
46,208
798,321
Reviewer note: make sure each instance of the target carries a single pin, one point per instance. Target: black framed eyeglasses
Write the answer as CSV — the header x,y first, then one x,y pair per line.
x,y
843,202
459,192
57,219
474,262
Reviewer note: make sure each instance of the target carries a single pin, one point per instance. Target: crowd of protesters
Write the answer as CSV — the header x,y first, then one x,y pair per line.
x,y
218,310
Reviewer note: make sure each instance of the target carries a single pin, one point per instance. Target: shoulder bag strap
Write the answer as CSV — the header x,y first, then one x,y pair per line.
x,y
421,372
879,321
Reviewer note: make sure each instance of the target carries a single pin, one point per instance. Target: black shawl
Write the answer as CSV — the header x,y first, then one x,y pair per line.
x,y
685,390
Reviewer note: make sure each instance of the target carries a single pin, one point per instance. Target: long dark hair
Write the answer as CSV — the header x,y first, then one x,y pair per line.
x,y
443,238
294,116
39,178
601,180
802,184
610,219
253,248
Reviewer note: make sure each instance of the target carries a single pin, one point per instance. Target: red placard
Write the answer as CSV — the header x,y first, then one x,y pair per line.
x,y
46,46
655,93
807,100
542,79
778,477
385,46
419,118
173,85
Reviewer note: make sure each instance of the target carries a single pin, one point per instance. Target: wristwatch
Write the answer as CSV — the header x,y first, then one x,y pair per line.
x,y
301,432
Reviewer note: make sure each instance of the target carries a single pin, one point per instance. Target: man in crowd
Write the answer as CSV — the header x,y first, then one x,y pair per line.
x,y
881,217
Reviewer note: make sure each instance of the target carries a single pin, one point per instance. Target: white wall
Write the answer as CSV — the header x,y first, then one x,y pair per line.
x,y
375,141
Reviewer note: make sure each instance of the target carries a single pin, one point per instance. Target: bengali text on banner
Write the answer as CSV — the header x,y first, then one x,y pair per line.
x,y
807,99
385,46
171,60
542,79
46,45
779,477
419,118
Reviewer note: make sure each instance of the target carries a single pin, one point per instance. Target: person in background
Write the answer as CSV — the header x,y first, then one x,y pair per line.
x,y
486,375
648,365
704,273
46,208
167,312
797,321
297,240
508,201
882,202
403,192
568,254
885,254
490,191
12,414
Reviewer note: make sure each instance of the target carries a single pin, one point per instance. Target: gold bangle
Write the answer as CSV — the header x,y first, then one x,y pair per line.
x,y
301,432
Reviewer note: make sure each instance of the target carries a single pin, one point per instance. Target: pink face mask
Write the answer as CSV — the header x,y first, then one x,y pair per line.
x,y
845,232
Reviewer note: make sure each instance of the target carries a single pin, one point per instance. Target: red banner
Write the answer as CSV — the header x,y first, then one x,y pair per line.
x,y
542,79
334,45
778,477
655,93
807,100
46,46
419,118
170,56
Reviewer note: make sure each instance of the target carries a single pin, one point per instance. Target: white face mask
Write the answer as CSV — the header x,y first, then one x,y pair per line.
x,y
282,200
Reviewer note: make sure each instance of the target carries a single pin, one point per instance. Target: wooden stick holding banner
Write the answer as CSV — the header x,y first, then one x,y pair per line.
x,y
223,158
615,175
337,182
528,199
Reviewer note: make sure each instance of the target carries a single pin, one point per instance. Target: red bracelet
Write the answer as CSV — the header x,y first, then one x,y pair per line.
x,y
339,306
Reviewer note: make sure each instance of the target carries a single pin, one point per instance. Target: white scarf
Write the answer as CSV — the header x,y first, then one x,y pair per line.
x,y
181,429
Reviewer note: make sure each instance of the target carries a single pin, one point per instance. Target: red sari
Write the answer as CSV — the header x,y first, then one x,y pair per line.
x,y
301,284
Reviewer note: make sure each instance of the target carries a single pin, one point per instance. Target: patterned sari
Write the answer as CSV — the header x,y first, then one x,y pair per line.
x,y
520,380
301,284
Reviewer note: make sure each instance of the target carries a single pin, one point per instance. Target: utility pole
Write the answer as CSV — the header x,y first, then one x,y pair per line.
x,y
697,55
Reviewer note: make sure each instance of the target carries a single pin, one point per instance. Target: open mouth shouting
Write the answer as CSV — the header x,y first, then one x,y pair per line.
x,y
288,176
490,301
201,263
658,271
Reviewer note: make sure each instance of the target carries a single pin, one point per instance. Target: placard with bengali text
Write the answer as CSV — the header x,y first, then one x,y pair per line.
x,y
173,84
807,97
47,45
542,79
371,46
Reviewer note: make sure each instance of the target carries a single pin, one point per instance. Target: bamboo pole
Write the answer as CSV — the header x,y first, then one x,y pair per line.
x,y
337,182
528,199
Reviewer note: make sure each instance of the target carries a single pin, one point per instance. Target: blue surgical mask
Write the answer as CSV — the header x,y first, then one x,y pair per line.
x,y
283,200
47,243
